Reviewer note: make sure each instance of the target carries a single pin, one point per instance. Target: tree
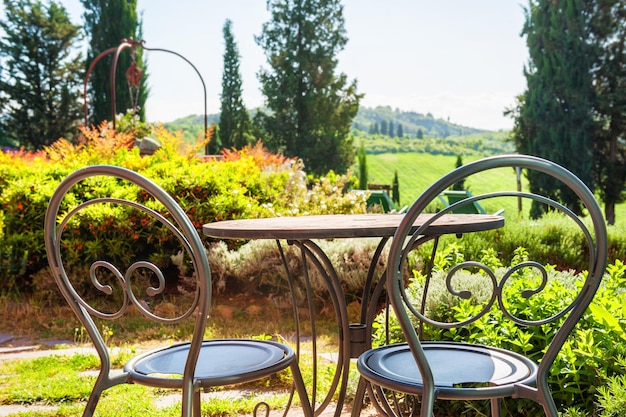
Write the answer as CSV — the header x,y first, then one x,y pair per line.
x,y
311,107
460,185
419,134
383,127
362,158
554,115
390,129
400,133
40,77
374,129
107,22
395,189
609,38
234,118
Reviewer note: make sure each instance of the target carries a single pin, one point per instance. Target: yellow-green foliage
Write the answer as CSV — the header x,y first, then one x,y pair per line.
x,y
248,183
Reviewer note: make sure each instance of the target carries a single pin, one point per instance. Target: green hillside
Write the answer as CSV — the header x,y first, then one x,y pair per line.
x,y
410,123
477,144
416,171
419,162
191,126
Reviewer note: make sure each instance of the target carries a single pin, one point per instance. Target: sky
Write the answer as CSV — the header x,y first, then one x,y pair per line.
x,y
460,60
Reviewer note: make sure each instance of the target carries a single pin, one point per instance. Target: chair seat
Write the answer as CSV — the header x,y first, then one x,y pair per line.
x,y
221,362
459,370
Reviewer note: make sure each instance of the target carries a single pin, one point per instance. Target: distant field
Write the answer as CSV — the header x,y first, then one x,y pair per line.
x,y
416,171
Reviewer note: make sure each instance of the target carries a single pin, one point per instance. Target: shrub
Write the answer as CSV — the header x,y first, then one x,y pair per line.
x,y
612,396
552,238
594,356
249,183
257,266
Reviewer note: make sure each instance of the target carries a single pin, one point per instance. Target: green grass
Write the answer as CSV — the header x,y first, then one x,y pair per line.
x,y
50,380
59,383
416,171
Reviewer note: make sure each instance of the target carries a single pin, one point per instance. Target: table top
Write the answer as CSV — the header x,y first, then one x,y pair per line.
x,y
345,226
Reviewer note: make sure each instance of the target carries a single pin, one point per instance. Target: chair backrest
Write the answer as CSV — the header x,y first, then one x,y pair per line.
x,y
119,244
466,290
449,197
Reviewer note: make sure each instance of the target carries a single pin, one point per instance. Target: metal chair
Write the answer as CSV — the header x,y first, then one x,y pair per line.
x,y
448,197
97,247
450,365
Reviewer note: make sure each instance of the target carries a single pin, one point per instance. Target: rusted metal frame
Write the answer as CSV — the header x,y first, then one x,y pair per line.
x,y
131,43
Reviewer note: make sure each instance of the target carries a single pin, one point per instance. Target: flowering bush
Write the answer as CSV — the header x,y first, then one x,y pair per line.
x,y
244,184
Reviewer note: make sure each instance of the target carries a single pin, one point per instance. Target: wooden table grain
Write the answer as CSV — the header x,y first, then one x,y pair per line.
x,y
336,226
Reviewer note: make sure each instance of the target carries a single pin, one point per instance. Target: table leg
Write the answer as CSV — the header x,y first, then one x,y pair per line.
x,y
313,253
387,402
354,338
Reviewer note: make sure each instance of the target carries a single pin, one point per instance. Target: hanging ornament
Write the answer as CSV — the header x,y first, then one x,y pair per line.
x,y
133,75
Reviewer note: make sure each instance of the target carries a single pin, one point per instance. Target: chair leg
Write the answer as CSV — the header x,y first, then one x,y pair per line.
x,y
549,407
307,409
359,397
495,407
196,403
94,397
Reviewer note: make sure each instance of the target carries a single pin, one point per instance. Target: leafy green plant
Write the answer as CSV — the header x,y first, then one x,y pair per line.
x,y
591,358
612,396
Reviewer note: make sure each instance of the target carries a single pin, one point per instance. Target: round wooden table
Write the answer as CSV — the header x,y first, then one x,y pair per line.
x,y
335,226
301,231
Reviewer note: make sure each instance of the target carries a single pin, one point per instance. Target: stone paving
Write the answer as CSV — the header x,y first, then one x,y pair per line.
x,y
21,348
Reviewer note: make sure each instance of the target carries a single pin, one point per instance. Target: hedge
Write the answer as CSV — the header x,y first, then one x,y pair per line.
x,y
249,183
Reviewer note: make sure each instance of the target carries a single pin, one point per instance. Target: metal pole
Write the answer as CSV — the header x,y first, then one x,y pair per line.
x,y
131,43
518,174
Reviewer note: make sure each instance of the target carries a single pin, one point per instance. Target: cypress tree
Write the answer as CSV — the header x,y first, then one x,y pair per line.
x,y
554,119
460,185
400,133
234,118
395,189
609,37
362,157
107,22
